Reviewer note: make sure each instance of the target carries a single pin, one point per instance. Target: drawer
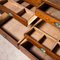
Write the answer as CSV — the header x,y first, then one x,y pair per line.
x,y
42,40
49,14
7,37
35,51
15,29
27,15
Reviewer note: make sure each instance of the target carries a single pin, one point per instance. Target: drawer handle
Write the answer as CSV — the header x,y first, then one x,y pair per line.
x,y
57,24
10,14
43,50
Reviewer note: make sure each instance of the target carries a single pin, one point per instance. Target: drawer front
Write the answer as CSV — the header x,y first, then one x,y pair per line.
x,y
46,17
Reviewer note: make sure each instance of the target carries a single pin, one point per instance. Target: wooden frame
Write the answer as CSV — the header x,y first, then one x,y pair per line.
x,y
15,29
39,45
17,15
34,50
48,16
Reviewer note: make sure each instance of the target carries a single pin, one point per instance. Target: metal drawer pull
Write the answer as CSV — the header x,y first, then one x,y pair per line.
x,y
43,50
10,14
57,24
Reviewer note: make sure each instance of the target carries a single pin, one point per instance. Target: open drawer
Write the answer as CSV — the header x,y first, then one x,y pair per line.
x,y
27,15
43,40
4,17
13,14
35,51
15,29
49,14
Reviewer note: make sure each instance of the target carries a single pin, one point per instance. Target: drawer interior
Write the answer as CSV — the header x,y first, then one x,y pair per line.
x,y
50,10
14,6
26,14
35,51
15,29
45,40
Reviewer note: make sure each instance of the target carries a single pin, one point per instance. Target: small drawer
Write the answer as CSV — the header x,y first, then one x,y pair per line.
x,y
49,14
15,29
38,52
27,15
15,7
43,38
35,51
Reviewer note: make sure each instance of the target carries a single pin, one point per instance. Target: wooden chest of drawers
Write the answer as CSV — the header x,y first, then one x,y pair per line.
x,y
33,27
